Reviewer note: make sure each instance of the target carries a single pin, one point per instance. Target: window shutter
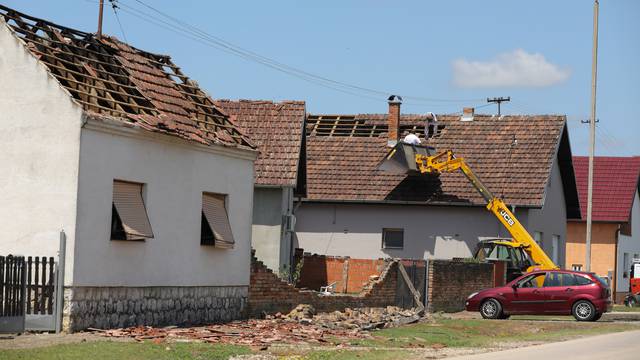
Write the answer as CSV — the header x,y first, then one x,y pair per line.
x,y
127,199
213,207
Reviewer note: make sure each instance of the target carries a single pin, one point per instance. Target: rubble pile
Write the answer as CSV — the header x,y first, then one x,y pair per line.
x,y
352,319
301,325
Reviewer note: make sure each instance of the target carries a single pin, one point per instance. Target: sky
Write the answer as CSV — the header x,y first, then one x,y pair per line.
x,y
440,56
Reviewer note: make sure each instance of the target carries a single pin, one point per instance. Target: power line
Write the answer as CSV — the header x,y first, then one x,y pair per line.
x,y
221,44
114,6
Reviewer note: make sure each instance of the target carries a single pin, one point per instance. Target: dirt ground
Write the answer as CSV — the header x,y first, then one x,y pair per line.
x,y
35,340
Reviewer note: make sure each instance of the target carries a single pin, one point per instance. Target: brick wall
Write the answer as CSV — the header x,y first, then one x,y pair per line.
x,y
450,282
268,294
350,275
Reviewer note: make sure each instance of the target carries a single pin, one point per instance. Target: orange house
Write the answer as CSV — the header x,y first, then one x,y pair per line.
x,y
615,234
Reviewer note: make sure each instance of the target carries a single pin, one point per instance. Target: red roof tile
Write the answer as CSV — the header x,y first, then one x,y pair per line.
x,y
111,79
615,182
277,130
341,165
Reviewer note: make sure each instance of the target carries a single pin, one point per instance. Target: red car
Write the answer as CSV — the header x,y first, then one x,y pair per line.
x,y
552,292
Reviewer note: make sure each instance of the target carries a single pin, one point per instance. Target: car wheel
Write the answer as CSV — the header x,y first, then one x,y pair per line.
x,y
597,317
583,310
491,309
504,317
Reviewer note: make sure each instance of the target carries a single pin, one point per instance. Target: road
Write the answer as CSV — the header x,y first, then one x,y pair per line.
x,y
618,346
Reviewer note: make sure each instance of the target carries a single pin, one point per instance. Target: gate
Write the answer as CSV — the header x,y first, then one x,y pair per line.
x,y
12,294
40,279
417,271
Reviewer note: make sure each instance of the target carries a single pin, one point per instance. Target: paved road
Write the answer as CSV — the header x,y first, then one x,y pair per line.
x,y
618,346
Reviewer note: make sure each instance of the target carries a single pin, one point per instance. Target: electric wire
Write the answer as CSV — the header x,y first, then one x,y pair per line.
x,y
114,6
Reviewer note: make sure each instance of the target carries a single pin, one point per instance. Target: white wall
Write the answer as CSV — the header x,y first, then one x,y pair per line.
x,y
39,150
429,231
175,176
267,225
552,218
630,245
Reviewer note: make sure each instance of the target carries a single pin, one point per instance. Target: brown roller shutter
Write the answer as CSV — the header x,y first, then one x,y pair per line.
x,y
128,202
214,210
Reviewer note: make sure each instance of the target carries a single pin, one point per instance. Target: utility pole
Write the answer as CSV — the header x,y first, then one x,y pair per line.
x,y
99,33
498,100
592,134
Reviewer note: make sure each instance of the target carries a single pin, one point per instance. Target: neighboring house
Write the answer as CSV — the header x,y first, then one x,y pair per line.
x,y
615,228
355,210
277,129
151,182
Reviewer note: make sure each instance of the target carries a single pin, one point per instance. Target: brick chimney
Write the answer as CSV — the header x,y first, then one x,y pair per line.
x,y
393,120
467,114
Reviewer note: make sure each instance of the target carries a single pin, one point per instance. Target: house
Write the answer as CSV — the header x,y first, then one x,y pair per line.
x,y
277,129
151,181
615,228
353,209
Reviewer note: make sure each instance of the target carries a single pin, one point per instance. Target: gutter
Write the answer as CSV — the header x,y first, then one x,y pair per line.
x,y
406,202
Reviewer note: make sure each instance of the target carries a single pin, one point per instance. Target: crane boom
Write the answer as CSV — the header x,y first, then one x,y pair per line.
x,y
446,161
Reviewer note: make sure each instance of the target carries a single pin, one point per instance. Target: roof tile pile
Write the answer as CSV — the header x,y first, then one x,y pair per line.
x,y
342,158
109,78
277,130
615,182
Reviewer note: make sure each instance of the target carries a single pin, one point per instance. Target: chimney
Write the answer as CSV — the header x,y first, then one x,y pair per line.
x,y
393,120
467,114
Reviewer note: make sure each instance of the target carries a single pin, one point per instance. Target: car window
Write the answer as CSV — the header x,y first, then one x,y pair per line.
x,y
603,281
568,280
581,280
534,281
552,279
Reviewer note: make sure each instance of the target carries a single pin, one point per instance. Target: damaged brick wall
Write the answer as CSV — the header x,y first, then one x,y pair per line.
x,y
349,275
450,282
268,294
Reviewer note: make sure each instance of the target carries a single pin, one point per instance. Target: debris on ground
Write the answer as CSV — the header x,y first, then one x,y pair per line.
x,y
301,325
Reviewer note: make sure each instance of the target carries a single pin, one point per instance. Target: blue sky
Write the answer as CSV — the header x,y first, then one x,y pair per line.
x,y
537,52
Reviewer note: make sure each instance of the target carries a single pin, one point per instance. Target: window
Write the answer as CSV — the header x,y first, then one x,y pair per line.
x,y
392,238
537,236
215,228
129,220
533,281
555,243
576,267
581,280
559,279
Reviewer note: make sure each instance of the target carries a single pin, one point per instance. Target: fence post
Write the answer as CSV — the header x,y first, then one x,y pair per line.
x,y
60,281
426,285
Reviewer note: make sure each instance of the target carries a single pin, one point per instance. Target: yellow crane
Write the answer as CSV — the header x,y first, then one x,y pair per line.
x,y
404,155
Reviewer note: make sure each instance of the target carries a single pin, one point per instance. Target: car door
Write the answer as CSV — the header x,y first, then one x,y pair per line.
x,y
527,295
559,289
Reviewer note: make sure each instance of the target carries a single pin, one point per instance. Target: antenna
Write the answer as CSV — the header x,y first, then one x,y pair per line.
x,y
99,33
498,100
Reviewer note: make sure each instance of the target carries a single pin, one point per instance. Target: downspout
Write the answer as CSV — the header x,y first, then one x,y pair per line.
x,y
614,287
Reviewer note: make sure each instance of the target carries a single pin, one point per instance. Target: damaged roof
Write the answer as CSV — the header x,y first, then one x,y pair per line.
x,y
615,183
277,129
344,150
111,79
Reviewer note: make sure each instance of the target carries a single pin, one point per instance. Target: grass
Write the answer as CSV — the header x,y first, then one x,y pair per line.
x,y
108,350
486,333
387,344
623,308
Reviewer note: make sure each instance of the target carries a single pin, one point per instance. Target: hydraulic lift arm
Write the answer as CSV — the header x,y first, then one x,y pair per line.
x,y
446,161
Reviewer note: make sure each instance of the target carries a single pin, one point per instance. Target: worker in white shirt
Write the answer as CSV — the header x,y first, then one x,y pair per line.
x,y
411,139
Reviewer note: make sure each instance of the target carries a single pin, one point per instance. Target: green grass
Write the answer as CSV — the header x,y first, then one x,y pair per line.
x,y
352,355
108,350
486,333
623,308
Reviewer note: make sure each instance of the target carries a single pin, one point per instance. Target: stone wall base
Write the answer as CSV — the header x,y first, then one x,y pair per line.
x,y
114,307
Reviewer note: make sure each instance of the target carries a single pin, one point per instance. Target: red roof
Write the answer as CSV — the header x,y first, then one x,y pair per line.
x,y
344,150
276,129
615,182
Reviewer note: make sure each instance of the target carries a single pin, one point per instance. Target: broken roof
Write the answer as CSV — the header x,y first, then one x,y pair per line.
x,y
344,150
615,183
277,130
111,79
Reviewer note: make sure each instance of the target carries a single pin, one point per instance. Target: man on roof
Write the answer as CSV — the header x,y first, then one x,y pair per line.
x,y
411,138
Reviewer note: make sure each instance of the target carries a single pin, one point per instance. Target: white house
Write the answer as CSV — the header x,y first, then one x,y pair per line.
x,y
354,209
150,180
277,129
